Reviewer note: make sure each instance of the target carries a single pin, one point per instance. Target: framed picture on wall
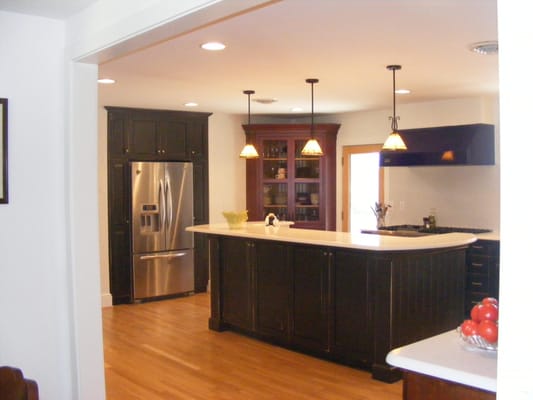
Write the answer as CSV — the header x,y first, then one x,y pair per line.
x,y
3,151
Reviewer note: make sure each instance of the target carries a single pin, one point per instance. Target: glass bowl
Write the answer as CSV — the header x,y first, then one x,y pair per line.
x,y
477,341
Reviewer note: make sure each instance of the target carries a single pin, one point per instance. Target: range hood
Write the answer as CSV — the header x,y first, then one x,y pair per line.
x,y
443,145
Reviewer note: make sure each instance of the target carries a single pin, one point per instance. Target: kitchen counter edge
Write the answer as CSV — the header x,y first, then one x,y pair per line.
x,y
446,357
361,241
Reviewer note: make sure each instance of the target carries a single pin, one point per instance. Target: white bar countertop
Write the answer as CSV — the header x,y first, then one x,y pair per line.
x,y
447,357
361,241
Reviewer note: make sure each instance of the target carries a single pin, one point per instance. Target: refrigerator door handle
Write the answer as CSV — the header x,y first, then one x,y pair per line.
x,y
168,199
163,203
156,256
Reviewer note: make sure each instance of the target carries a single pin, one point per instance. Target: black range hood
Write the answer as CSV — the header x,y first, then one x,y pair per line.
x,y
443,145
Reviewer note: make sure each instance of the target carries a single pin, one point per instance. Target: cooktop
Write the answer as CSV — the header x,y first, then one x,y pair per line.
x,y
438,229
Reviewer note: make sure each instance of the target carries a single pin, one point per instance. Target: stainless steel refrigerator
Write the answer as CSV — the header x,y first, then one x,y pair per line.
x,y
162,207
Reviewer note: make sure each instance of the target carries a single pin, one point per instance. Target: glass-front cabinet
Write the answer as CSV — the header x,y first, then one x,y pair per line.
x,y
284,182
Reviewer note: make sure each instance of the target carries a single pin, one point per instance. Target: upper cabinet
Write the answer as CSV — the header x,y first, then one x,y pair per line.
x,y
156,134
284,182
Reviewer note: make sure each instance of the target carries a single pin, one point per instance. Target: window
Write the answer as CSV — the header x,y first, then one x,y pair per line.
x,y
363,186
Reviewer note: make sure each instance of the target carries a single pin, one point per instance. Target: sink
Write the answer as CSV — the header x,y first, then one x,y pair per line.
x,y
399,232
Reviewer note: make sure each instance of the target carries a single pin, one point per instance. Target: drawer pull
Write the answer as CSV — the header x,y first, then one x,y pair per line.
x,y
476,284
478,265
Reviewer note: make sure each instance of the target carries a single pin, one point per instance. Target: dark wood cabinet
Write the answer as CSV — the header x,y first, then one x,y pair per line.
x,y
149,134
352,307
119,231
311,297
236,273
273,290
346,305
152,135
482,272
284,182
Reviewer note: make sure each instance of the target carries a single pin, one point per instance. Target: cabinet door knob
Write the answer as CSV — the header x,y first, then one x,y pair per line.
x,y
163,151
126,150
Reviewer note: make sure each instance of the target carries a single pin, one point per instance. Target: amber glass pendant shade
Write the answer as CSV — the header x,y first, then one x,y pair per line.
x,y
249,151
394,142
312,148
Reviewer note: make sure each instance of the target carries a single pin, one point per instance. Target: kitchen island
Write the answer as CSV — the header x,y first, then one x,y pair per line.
x,y
349,298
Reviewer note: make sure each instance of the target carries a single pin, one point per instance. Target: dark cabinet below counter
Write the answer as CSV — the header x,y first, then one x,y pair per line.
x,y
346,305
482,272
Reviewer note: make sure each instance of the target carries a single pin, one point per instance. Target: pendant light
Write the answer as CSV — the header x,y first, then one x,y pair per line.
x,y
394,141
249,150
312,148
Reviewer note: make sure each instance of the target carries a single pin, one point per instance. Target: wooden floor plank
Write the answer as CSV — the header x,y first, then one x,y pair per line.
x,y
163,350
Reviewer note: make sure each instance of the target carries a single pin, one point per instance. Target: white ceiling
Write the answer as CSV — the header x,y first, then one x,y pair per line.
x,y
346,44
56,9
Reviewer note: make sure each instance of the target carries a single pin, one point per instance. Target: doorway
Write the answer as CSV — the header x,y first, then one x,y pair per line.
x,y
363,186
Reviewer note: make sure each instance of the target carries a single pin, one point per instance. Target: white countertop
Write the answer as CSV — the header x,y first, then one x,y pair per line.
x,y
447,357
362,241
494,235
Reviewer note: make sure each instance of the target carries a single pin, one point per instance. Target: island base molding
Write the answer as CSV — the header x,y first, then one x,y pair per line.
x,y
346,305
386,373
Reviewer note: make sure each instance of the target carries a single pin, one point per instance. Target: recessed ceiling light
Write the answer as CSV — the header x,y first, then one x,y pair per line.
x,y
106,81
213,46
402,91
191,104
485,48
265,101
297,109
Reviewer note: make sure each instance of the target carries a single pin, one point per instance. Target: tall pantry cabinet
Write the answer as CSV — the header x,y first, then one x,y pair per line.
x,y
284,182
152,135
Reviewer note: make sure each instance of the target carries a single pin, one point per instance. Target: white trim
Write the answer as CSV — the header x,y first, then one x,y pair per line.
x,y
106,300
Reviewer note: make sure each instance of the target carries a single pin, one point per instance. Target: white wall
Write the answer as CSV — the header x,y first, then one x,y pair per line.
x,y
462,196
227,172
516,273
35,294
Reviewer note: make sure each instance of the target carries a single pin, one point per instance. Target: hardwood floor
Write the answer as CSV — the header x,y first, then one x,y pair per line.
x,y
164,350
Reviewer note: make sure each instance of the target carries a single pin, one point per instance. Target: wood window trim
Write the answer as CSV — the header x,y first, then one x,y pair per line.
x,y
347,151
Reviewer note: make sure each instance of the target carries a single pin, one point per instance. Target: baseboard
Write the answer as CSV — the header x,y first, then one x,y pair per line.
x,y
107,300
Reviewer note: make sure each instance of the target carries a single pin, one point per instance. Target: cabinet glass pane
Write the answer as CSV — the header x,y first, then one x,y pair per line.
x,y
305,166
274,169
307,201
275,200
275,159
